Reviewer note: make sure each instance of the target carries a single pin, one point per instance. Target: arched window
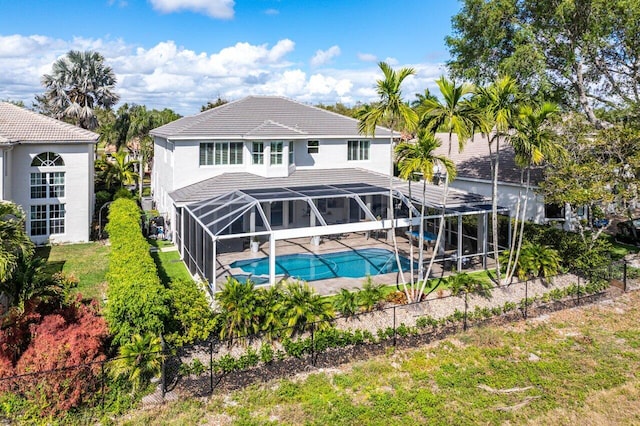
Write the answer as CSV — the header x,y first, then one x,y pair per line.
x,y
47,159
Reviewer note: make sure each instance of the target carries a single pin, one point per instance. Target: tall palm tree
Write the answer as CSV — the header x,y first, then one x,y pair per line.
x,y
392,109
499,101
455,115
420,158
534,141
78,83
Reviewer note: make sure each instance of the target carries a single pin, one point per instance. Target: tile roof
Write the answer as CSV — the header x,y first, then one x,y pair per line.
x,y
21,125
473,162
263,116
229,182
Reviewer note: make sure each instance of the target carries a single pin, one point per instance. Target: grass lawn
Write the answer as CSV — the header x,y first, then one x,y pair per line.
x,y
88,262
572,367
169,265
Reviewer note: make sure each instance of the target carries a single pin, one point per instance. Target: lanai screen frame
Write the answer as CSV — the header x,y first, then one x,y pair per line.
x,y
197,236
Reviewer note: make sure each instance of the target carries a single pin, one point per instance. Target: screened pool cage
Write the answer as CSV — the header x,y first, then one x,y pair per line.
x,y
234,221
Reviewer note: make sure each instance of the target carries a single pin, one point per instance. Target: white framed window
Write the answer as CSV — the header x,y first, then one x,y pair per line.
x,y
313,147
47,159
291,153
206,154
257,153
46,219
47,185
358,150
276,152
220,153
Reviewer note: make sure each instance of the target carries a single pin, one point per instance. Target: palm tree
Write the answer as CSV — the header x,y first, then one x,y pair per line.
x,y
394,110
420,158
138,361
536,260
119,172
346,302
302,306
456,115
499,103
78,83
15,244
533,142
239,309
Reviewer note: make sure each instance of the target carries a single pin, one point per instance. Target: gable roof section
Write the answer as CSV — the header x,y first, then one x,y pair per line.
x,y
21,125
474,160
263,116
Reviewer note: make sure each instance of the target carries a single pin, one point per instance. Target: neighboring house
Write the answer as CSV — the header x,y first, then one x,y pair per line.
x,y
474,175
47,167
265,136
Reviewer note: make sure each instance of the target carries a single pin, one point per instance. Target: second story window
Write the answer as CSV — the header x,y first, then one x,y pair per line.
x,y
276,152
292,155
220,153
257,153
358,150
46,183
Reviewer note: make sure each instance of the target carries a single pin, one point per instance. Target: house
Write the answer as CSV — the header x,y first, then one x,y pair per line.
x,y
270,169
474,175
47,167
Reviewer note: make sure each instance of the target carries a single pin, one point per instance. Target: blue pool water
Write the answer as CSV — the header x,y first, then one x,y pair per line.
x,y
312,267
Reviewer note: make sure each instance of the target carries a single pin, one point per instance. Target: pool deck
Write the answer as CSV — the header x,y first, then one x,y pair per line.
x,y
330,245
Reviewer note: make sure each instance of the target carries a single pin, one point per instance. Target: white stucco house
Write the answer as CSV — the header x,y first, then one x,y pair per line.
x,y
47,167
474,175
268,169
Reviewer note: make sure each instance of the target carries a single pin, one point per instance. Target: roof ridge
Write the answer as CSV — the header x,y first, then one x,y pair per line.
x,y
267,122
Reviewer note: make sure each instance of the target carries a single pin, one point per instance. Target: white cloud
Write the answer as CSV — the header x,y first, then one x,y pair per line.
x,y
367,57
170,76
272,12
220,9
324,56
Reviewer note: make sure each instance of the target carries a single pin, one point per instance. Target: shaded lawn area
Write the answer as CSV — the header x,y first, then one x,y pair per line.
x,y
87,262
170,267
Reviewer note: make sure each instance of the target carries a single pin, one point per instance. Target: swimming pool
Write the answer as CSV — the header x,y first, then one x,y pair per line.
x,y
312,267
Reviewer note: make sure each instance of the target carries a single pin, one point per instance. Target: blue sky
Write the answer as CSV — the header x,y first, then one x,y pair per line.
x,y
182,53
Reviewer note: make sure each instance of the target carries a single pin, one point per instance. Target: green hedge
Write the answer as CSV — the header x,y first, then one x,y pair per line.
x,y
136,300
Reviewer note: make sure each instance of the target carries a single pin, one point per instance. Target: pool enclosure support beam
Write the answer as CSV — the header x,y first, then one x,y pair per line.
x,y
212,283
272,259
182,212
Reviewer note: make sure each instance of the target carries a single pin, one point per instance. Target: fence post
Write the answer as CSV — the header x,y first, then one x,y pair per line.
x,y
624,275
578,301
394,326
313,344
464,324
163,374
211,364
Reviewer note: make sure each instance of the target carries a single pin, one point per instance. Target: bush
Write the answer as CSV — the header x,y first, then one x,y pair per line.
x,y
191,317
346,302
123,193
371,295
102,197
137,301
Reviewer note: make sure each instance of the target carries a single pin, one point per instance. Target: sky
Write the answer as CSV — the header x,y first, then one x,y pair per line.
x,y
179,54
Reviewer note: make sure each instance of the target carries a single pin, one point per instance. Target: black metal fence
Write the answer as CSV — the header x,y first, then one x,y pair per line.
x,y
201,369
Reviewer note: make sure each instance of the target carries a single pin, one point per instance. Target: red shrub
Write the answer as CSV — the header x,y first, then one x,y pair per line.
x,y
73,336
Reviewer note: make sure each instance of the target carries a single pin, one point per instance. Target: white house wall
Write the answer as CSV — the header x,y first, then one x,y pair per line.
x,y
507,197
79,197
176,164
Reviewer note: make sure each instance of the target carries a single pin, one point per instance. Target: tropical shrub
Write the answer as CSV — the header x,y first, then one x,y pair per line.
x,y
240,309
462,282
137,301
74,335
537,260
302,306
138,361
191,317
346,302
371,295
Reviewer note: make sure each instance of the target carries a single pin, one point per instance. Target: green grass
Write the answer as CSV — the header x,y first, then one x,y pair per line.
x,y
620,250
169,265
583,358
87,262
